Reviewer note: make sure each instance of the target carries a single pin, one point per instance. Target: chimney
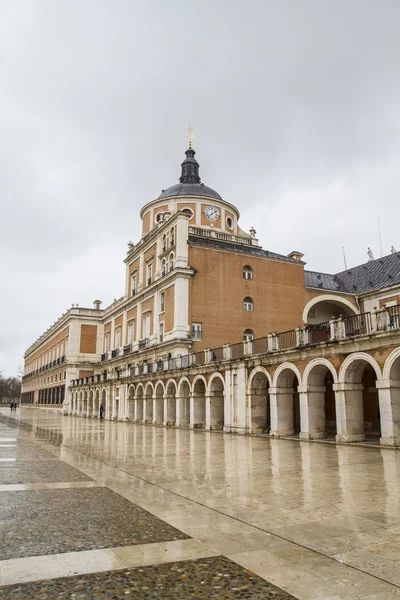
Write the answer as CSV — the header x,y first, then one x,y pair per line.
x,y
296,255
97,304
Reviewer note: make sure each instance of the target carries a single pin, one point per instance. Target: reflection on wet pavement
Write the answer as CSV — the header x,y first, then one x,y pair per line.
x,y
318,520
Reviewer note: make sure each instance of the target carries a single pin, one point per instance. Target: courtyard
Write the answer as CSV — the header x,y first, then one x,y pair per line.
x,y
103,509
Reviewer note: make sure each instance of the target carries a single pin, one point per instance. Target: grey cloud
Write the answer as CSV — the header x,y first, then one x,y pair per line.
x,y
295,106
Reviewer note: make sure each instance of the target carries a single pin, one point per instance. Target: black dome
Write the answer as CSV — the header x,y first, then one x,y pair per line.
x,y
190,189
190,182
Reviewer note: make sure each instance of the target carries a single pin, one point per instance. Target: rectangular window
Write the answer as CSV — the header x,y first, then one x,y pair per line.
x,y
149,273
146,326
130,332
162,302
107,342
196,331
118,337
161,336
133,284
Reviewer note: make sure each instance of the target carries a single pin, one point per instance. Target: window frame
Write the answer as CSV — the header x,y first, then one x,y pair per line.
x,y
162,301
248,304
247,272
197,328
248,337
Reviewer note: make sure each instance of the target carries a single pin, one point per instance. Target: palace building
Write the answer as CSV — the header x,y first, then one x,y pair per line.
x,y
203,297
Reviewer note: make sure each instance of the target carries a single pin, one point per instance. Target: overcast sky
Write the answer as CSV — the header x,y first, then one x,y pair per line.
x,y
295,106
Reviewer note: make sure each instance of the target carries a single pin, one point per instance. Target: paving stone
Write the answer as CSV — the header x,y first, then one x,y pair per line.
x,y
200,579
38,522
23,450
39,471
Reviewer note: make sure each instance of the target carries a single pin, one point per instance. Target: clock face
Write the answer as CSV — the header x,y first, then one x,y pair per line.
x,y
211,212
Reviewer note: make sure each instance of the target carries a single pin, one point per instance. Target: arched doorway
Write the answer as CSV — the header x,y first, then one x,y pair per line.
x,y
260,413
171,403
91,402
318,400
139,404
285,403
96,404
159,395
358,399
85,404
148,394
131,403
327,306
104,402
184,403
390,400
199,404
217,395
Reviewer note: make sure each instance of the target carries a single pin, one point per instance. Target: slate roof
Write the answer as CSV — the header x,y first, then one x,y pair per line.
x,y
190,189
238,248
371,276
325,281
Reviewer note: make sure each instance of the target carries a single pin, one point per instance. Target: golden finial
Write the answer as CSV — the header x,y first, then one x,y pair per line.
x,y
191,135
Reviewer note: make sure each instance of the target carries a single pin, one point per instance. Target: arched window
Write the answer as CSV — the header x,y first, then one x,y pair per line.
x,y
248,335
163,267
171,261
164,243
247,272
248,304
172,237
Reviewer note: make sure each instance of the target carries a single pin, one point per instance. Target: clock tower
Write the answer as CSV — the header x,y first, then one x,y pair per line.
x,y
204,206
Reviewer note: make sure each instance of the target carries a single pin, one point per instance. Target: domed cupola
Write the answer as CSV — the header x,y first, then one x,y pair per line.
x,y
190,168
190,182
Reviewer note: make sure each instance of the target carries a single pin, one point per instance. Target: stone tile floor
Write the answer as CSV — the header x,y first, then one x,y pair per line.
x,y
39,522
320,521
203,579
38,470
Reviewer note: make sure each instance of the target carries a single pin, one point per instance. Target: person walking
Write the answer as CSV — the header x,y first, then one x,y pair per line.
x,y
101,411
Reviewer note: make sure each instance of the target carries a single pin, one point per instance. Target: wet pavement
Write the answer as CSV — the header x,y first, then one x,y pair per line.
x,y
92,509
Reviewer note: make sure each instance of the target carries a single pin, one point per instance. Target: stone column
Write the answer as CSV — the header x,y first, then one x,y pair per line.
x,y
208,412
389,409
165,400
349,412
154,399
191,407
281,402
144,408
177,410
312,412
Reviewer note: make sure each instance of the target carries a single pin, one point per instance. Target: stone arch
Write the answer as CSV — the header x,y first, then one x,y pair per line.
x,y
358,397
389,400
286,366
91,404
80,404
159,393
139,395
96,406
131,402
170,396
350,370
216,394
199,388
392,361
183,397
329,305
258,410
285,401
85,403
318,400
104,401
148,404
